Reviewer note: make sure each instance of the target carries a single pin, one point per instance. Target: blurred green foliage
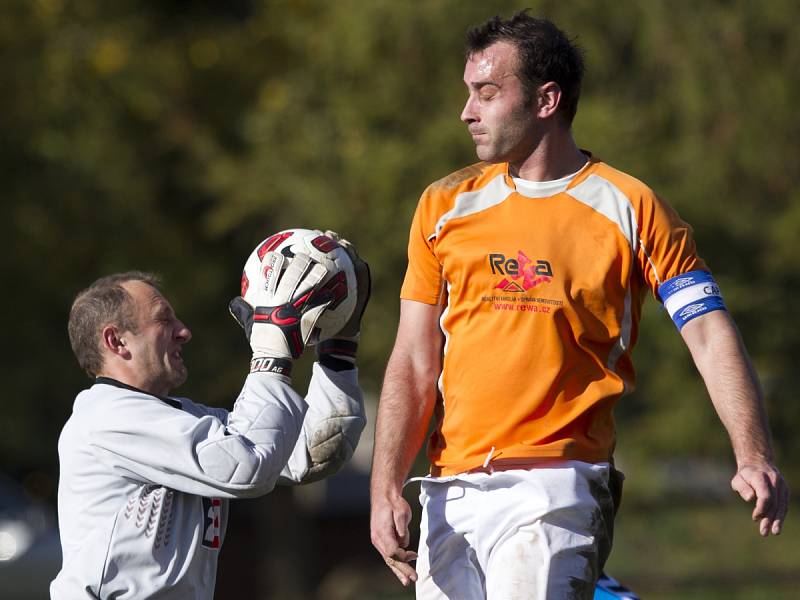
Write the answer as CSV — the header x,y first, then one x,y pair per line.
x,y
173,136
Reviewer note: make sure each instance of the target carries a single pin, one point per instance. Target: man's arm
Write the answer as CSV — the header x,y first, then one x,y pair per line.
x,y
331,429
335,417
732,383
192,450
406,405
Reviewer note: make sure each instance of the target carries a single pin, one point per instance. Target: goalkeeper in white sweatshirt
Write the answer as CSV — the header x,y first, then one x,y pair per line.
x,y
145,477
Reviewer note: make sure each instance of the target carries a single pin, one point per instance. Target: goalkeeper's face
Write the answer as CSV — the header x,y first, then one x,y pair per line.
x,y
155,346
498,113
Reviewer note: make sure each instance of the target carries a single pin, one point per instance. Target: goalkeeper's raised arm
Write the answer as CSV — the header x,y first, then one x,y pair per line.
x,y
145,476
335,417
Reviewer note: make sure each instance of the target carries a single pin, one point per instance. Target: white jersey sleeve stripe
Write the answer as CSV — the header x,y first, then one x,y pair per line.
x,y
604,197
468,203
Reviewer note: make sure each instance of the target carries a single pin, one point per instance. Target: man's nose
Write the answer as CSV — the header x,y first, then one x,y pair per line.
x,y
469,114
182,333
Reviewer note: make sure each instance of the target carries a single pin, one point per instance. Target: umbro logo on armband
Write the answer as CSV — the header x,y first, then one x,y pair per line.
x,y
520,273
690,295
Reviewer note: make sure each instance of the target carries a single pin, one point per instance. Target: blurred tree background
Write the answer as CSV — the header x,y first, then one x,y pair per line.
x,y
173,136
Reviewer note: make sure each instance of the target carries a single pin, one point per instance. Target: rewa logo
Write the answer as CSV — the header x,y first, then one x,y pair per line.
x,y
532,273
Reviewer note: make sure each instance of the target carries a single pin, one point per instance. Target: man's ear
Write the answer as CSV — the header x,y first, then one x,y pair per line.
x,y
114,342
548,99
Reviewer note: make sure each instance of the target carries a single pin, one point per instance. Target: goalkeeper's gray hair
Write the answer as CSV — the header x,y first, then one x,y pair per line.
x,y
105,302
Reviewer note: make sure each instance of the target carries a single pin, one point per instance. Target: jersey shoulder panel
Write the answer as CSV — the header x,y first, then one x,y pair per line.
x,y
613,194
633,188
466,175
665,241
444,192
423,280
463,193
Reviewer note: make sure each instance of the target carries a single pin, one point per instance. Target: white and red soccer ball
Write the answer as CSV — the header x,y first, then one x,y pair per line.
x,y
340,281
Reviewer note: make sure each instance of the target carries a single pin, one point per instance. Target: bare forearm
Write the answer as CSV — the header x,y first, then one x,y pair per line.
x,y
732,384
405,409
407,399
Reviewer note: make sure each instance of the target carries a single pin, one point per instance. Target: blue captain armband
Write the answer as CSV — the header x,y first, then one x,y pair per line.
x,y
690,295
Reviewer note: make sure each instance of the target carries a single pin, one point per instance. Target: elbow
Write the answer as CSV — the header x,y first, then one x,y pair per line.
x,y
331,445
243,470
260,486
419,370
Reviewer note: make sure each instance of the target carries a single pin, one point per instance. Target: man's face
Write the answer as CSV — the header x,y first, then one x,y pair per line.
x,y
501,121
156,345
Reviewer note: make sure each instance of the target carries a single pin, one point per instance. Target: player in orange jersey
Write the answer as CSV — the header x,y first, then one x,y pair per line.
x,y
520,307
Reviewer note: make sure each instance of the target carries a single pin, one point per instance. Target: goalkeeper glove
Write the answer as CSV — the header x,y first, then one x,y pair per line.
x,y
287,307
339,352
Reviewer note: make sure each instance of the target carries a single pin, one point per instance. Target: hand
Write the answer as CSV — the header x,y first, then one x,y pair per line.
x,y
763,483
389,521
352,328
287,307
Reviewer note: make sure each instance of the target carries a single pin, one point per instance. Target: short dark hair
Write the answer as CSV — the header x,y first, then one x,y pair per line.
x,y
545,54
105,302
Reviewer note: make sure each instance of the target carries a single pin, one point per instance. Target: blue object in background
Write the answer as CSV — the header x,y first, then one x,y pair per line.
x,y
609,588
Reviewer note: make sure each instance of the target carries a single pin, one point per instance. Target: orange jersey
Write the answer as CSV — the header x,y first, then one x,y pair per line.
x,y
542,298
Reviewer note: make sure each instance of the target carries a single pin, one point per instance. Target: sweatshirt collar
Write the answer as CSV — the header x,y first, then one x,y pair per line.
x,y
116,383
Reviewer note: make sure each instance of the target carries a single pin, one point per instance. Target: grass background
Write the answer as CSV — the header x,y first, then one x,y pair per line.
x,y
705,551
702,551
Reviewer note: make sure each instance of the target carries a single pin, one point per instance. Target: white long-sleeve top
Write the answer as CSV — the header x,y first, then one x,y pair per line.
x,y
145,481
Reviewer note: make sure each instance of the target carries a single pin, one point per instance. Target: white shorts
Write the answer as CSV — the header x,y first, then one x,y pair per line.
x,y
542,533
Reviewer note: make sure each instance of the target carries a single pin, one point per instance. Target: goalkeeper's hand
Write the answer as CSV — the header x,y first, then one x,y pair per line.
x,y
339,352
352,329
287,307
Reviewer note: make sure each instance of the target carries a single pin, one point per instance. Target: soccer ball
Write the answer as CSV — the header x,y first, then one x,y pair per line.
x,y
340,281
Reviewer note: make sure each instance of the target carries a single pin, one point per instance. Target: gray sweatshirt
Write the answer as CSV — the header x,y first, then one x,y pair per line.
x,y
145,481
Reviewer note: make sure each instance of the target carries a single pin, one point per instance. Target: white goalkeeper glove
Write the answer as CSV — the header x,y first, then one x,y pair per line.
x,y
339,352
287,307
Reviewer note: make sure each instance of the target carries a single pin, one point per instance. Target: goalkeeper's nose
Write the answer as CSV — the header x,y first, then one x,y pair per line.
x,y
182,333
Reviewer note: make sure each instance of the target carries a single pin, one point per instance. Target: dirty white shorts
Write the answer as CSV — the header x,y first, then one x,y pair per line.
x,y
541,533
